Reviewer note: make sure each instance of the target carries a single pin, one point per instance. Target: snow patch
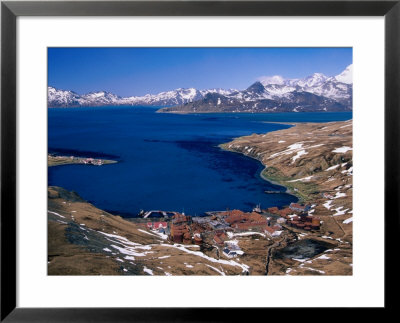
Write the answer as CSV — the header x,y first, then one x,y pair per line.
x,y
244,267
342,150
327,204
217,270
298,155
339,211
304,179
148,271
55,213
312,269
300,260
347,221
339,195
331,168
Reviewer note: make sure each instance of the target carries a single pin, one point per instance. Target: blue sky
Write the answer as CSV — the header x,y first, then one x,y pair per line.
x,y
138,71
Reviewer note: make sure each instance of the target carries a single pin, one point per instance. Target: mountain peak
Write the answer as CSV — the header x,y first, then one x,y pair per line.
x,y
346,76
256,87
317,77
276,79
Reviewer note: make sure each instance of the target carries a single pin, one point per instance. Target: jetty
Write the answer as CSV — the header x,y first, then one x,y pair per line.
x,y
156,214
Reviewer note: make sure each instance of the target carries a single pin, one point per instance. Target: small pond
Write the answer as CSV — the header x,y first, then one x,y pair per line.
x,y
303,249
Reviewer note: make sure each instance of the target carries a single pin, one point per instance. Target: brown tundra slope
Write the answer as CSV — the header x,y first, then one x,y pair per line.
x,y
315,162
84,240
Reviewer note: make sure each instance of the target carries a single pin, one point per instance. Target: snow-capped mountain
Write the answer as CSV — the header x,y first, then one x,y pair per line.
x,y
338,87
316,92
346,76
62,98
312,81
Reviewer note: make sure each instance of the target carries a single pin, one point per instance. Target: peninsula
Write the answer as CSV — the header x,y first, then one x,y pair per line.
x,y
55,160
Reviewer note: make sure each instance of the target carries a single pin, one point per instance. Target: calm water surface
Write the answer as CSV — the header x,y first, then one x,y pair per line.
x,y
166,161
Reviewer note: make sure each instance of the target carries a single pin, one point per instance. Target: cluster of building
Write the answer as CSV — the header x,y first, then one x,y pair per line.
x,y
92,161
297,216
180,229
216,229
213,229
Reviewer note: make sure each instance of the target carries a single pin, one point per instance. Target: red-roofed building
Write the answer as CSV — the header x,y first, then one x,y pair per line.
x,y
269,230
273,210
236,218
223,236
285,212
272,232
249,225
187,238
218,240
177,232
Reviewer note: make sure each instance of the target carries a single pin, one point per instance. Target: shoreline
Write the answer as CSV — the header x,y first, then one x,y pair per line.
x,y
249,112
262,175
288,191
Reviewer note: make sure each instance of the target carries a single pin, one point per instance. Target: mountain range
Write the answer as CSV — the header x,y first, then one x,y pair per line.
x,y
316,92
64,98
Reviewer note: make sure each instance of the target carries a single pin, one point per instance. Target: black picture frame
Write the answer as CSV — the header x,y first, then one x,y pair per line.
x,y
10,10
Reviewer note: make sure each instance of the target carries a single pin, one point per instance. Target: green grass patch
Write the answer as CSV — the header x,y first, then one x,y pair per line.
x,y
304,191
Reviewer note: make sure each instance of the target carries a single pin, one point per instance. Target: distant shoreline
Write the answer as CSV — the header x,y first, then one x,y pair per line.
x,y
53,160
248,112
80,153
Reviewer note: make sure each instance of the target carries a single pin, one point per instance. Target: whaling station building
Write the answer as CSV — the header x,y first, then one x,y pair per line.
x,y
213,230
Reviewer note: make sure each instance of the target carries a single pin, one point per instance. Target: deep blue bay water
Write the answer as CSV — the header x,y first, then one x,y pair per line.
x,y
165,161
